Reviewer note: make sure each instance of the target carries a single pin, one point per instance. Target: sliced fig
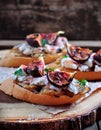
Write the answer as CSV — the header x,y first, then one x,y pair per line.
x,y
97,56
78,54
50,37
36,68
34,40
60,78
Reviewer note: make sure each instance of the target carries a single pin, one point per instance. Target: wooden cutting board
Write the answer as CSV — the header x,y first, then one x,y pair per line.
x,y
15,114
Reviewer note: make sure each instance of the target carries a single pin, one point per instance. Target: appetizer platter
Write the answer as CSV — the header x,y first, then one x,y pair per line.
x,y
58,82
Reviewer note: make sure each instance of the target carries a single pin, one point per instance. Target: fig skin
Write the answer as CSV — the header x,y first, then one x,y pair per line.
x,y
78,54
36,68
35,72
97,56
60,78
51,37
34,40
39,40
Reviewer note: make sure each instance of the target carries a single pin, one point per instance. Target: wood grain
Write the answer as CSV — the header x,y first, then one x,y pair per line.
x,y
79,19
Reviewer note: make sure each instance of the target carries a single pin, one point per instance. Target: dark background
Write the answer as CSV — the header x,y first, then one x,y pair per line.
x,y
80,19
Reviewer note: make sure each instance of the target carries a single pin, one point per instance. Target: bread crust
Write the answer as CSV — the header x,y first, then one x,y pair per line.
x,y
44,99
12,59
7,86
88,75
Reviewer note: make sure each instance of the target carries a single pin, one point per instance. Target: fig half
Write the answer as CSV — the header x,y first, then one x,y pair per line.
x,y
50,37
34,40
97,56
36,68
77,53
60,78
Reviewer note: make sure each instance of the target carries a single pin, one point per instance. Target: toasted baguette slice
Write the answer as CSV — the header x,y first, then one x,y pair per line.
x,y
11,60
15,59
11,88
89,75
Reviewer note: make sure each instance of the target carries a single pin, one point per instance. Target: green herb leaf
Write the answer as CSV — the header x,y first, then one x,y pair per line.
x,y
47,69
19,71
83,82
44,41
65,56
77,81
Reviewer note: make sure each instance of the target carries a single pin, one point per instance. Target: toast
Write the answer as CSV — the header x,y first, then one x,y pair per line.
x,y
32,84
51,46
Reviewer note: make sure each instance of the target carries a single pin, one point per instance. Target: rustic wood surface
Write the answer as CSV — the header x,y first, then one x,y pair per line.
x,y
95,44
80,19
24,115
15,114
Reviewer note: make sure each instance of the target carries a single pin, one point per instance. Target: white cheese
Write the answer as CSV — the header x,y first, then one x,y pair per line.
x,y
37,50
89,62
22,47
61,42
51,49
21,78
27,51
57,69
39,81
97,68
52,87
68,63
83,68
14,77
47,48
75,87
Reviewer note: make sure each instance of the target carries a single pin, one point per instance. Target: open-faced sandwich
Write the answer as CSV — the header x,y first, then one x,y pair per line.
x,y
83,60
51,45
35,84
